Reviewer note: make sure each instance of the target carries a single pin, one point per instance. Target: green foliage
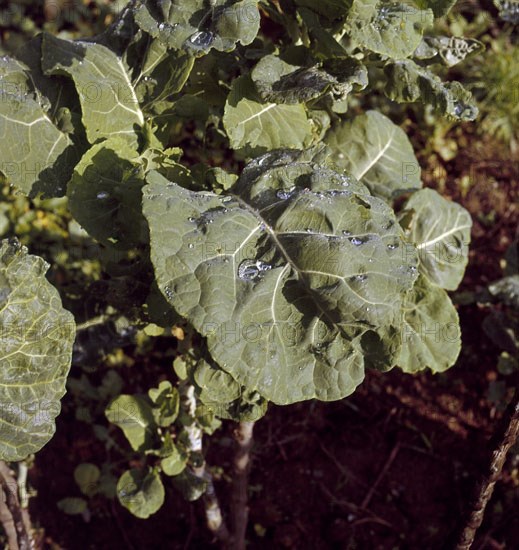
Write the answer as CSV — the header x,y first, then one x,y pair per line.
x,y
232,178
35,352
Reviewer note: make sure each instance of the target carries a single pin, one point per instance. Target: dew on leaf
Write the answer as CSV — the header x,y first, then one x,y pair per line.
x,y
201,39
357,241
284,194
102,195
250,270
392,246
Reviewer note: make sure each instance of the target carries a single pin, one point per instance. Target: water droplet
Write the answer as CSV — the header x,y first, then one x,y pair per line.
x,y
103,195
201,39
308,230
361,277
285,194
191,219
162,26
346,233
357,241
392,246
191,245
227,199
168,292
250,270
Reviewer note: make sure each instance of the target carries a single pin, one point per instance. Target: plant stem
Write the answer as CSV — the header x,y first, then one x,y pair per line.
x,y
242,460
487,486
213,513
10,490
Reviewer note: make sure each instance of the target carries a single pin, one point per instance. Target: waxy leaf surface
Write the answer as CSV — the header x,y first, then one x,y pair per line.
x,y
35,353
290,276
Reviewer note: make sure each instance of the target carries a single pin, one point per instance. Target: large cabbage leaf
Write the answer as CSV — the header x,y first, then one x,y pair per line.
x,y
35,352
296,277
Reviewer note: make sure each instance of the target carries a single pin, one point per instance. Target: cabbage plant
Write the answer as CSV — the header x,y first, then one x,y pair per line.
x,y
231,147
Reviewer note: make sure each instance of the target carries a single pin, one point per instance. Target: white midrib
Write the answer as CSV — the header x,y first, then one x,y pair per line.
x,y
442,236
377,157
255,115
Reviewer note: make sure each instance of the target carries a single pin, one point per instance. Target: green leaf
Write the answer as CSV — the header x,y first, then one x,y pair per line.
x,y
280,82
506,290
133,414
87,477
503,330
331,9
105,194
219,391
323,42
287,277
439,7
431,334
264,126
107,98
73,505
166,401
194,26
407,82
35,352
451,49
508,10
390,29
440,230
191,486
174,463
163,73
377,152
31,144
141,492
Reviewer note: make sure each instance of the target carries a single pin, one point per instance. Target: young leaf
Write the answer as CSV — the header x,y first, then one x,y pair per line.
x,y
133,414
141,492
166,401
219,391
87,477
107,98
284,278
174,463
390,29
407,82
191,486
265,126
431,334
440,230
73,505
35,352
377,152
